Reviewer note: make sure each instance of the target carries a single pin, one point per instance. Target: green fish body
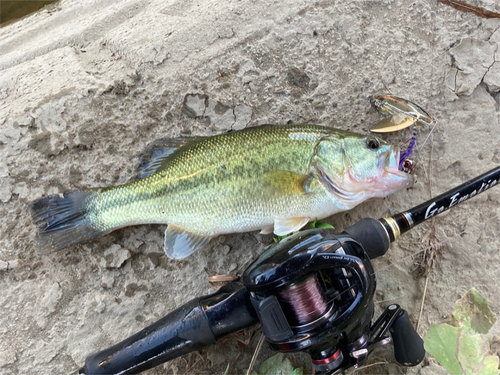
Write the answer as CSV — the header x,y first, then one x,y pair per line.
x,y
268,178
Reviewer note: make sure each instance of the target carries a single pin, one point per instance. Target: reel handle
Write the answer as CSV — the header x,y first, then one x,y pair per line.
x,y
408,345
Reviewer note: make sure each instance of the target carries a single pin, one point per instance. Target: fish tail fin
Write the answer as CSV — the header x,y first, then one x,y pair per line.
x,y
63,221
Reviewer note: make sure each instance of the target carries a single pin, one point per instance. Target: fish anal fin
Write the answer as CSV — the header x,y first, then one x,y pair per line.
x,y
160,152
289,225
288,182
179,244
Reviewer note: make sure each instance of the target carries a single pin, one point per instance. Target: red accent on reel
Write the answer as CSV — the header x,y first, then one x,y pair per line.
x,y
327,360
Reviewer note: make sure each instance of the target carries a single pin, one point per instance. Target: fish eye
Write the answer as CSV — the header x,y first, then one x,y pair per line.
x,y
373,143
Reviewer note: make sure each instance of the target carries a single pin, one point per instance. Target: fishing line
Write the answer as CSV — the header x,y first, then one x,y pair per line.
x,y
428,135
305,300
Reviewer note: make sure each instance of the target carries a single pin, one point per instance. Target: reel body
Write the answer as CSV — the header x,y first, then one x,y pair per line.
x,y
314,292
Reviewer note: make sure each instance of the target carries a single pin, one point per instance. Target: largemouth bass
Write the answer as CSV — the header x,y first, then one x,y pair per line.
x,y
268,178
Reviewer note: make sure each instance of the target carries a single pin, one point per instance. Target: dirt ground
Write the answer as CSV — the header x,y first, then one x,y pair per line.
x,y
85,86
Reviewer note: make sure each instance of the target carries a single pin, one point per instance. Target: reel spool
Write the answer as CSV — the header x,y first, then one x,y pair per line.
x,y
304,301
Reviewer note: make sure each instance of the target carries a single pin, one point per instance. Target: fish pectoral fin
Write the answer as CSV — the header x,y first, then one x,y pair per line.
x,y
180,244
289,225
288,182
160,152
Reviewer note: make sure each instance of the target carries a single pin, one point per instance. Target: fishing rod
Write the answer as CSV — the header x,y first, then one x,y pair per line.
x,y
312,292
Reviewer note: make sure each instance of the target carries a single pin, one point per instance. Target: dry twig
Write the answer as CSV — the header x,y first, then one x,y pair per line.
x,y
467,8
256,353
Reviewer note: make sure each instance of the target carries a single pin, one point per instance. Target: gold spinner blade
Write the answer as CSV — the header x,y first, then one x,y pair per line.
x,y
400,113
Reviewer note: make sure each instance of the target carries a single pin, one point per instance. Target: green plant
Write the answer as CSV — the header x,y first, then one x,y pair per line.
x,y
314,224
276,365
318,224
460,347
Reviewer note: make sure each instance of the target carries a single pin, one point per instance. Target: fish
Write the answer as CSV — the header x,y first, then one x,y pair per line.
x,y
270,178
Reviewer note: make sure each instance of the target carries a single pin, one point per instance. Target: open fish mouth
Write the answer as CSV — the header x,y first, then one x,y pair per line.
x,y
396,177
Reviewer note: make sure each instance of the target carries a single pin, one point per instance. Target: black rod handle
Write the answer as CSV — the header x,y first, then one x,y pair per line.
x,y
182,331
193,326
371,235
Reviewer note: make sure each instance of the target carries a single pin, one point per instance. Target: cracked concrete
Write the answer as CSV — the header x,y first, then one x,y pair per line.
x,y
84,89
475,61
473,58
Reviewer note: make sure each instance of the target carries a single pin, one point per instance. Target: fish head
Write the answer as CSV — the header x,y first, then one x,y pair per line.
x,y
355,167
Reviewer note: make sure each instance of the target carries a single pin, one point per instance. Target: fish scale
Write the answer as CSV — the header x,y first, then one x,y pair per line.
x,y
192,181
258,178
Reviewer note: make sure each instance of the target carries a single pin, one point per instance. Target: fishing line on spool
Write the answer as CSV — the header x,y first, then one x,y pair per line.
x,y
305,300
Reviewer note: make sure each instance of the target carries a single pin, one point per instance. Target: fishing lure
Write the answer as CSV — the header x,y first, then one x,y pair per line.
x,y
408,166
400,114
405,164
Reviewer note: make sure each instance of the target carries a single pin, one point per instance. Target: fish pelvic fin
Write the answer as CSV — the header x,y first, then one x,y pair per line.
x,y
160,152
63,221
283,227
267,230
180,244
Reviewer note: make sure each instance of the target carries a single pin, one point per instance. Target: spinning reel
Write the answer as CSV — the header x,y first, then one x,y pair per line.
x,y
311,292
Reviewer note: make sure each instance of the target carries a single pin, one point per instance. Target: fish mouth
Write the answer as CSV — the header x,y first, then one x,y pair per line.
x,y
395,177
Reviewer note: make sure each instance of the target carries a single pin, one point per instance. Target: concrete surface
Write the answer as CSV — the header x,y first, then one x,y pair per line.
x,y
85,86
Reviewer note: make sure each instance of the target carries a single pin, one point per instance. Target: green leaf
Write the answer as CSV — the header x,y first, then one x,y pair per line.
x,y
459,348
472,353
490,366
277,365
473,313
283,368
441,342
270,363
280,238
318,224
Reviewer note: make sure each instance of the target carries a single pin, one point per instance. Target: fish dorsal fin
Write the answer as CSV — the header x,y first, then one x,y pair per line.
x,y
287,182
283,227
179,244
160,152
